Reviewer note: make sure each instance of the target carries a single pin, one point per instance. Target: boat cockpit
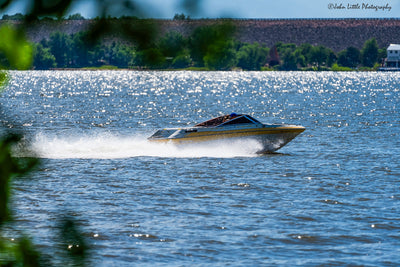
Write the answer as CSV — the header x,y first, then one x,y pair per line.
x,y
232,119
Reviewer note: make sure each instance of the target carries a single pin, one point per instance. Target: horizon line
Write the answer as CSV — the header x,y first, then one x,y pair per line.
x,y
205,18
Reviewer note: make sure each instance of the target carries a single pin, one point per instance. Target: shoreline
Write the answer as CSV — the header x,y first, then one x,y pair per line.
x,y
208,70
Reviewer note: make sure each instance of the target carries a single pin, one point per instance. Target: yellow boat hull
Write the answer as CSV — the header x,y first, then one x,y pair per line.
x,y
271,138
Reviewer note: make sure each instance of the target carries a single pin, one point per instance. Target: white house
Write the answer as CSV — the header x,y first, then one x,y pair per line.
x,y
393,56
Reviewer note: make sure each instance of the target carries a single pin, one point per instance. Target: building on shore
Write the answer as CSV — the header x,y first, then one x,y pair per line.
x,y
393,56
392,61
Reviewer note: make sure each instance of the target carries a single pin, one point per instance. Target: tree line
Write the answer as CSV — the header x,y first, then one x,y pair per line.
x,y
307,57
210,47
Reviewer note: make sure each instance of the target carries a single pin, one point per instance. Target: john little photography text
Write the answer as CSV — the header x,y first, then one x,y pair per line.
x,y
360,6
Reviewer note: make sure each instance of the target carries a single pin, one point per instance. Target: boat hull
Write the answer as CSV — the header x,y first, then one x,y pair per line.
x,y
269,137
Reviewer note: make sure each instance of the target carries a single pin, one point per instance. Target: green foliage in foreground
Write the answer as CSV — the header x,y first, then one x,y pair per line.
x,y
10,168
3,79
20,250
15,51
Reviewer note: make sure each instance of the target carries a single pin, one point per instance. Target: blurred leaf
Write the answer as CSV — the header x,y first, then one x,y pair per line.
x,y
73,241
20,252
10,167
5,3
3,79
191,6
27,254
49,8
141,32
15,48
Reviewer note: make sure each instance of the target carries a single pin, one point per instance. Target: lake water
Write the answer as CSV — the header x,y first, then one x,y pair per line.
x,y
330,197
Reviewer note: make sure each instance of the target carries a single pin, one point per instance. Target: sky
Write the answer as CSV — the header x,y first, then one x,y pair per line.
x,y
166,9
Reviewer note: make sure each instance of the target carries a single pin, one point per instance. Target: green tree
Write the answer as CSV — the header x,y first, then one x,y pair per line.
x,y
289,61
180,17
98,55
150,58
382,54
220,56
332,58
300,58
287,55
369,53
79,50
213,45
182,60
76,16
172,44
318,55
349,58
305,51
43,59
252,56
60,44
121,55
17,16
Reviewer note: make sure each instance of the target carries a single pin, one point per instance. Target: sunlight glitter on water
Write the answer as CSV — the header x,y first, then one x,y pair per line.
x,y
330,198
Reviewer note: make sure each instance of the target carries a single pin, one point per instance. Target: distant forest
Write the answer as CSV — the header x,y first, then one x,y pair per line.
x,y
208,47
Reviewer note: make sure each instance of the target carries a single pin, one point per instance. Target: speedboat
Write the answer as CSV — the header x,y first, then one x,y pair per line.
x,y
271,137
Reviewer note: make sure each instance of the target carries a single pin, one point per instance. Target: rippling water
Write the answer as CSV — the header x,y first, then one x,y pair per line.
x,y
330,197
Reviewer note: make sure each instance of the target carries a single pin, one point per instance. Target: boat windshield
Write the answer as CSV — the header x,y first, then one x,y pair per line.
x,y
231,119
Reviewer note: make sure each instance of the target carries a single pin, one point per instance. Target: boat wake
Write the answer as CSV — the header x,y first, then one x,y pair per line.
x,y
107,146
